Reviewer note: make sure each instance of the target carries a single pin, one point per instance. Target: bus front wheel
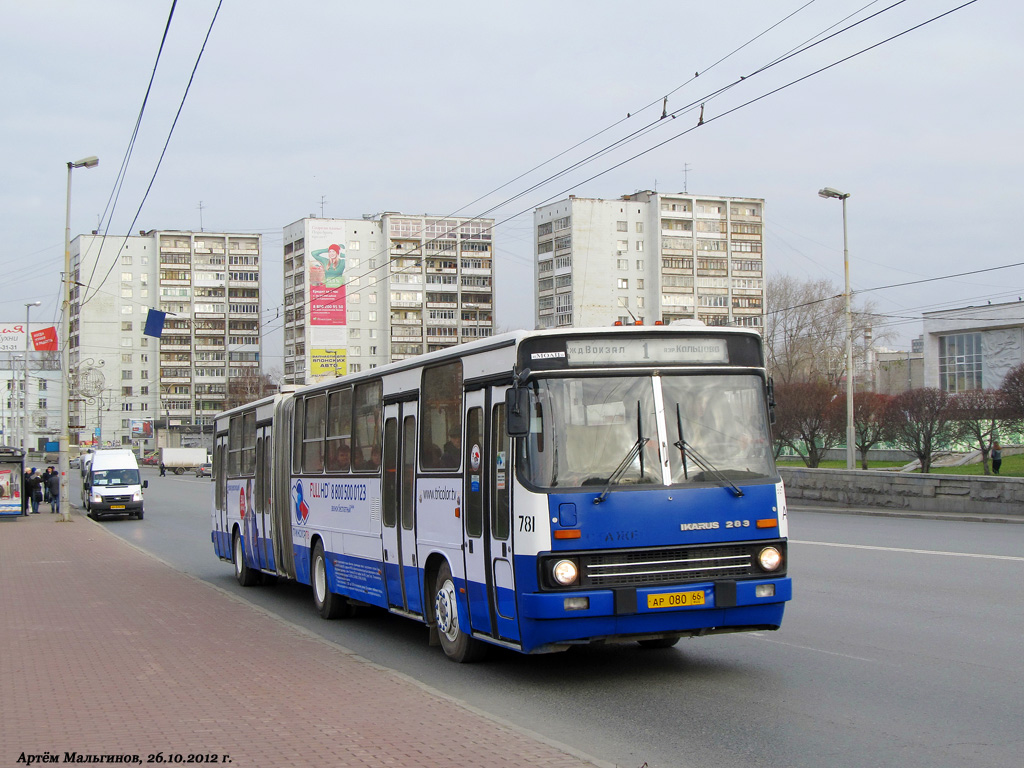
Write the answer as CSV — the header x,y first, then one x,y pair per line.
x,y
246,576
456,643
328,604
658,642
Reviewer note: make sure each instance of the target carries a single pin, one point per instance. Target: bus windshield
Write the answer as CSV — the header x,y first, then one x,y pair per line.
x,y
583,428
115,477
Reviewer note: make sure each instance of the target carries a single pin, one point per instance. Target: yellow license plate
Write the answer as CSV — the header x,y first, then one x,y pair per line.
x,y
117,506
675,599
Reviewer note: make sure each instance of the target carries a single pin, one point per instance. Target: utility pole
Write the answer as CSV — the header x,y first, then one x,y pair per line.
x,y
65,353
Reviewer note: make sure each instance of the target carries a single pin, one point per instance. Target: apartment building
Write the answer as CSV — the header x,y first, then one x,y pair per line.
x,y
359,293
30,399
133,389
650,257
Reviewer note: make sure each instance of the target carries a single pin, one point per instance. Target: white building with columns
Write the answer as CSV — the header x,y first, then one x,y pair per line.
x,y
973,347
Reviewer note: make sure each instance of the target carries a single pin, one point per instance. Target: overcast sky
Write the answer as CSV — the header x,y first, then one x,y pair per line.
x,y
346,109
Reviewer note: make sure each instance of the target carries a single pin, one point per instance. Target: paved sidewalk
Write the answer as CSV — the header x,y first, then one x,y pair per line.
x,y
105,650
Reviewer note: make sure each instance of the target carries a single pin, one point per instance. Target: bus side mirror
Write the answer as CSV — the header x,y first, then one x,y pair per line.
x,y
771,400
517,411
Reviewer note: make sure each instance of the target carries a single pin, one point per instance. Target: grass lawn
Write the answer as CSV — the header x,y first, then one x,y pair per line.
x,y
841,464
1013,466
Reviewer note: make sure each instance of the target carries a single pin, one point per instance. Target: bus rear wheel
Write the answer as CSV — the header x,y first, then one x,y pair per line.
x,y
328,604
246,576
456,643
659,642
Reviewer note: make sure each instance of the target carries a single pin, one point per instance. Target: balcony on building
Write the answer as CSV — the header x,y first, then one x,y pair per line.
x,y
741,212
710,209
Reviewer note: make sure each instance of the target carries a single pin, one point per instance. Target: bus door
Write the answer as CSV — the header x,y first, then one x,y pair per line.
x,y
475,545
487,493
399,508
264,498
499,483
220,501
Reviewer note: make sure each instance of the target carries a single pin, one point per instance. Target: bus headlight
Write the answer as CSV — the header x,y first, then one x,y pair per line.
x,y
565,572
137,496
769,559
97,499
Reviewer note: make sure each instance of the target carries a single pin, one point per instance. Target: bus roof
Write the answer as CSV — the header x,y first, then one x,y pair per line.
x,y
509,338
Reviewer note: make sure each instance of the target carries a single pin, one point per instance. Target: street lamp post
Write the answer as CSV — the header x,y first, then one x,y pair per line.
x,y
851,439
65,356
24,381
15,418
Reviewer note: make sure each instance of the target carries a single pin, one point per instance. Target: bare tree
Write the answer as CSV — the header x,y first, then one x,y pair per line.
x,y
979,413
809,419
1012,390
251,386
869,422
922,422
805,330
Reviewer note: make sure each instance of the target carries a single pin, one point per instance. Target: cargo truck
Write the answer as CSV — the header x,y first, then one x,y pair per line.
x,y
181,460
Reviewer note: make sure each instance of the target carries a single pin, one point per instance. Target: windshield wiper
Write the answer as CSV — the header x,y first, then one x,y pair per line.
x,y
623,466
700,460
634,452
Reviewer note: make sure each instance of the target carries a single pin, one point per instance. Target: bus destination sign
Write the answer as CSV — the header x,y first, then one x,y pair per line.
x,y
646,350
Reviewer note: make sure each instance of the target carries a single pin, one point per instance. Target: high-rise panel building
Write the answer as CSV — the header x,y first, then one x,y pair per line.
x,y
29,395
133,389
359,293
650,257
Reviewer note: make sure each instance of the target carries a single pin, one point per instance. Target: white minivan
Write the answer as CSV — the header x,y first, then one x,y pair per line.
x,y
111,484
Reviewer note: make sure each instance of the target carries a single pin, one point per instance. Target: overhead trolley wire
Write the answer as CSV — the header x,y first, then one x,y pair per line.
x,y
163,152
115,192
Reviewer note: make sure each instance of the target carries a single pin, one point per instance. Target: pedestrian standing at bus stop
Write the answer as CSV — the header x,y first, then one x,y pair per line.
x,y
34,489
53,486
26,494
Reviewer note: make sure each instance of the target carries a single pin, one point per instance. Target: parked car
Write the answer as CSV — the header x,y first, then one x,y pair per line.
x,y
152,460
204,470
76,463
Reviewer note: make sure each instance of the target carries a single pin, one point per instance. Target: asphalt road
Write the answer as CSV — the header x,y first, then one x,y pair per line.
x,y
903,646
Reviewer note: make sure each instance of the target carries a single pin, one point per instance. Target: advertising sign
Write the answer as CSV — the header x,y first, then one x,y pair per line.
x,y
325,265
327,362
326,305
142,429
45,340
12,337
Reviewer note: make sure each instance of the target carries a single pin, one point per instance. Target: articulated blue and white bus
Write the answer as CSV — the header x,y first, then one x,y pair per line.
x,y
533,490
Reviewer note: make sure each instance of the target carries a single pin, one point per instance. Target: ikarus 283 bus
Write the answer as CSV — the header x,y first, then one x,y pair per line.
x,y
534,490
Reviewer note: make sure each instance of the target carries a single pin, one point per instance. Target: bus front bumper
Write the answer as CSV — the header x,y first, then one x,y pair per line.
x,y
656,601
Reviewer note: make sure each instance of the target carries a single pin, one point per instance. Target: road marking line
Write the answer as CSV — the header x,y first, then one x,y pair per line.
x,y
911,551
760,636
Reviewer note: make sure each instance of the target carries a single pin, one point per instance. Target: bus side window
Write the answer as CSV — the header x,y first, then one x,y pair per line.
x,y
367,407
339,430
249,443
390,490
500,466
235,446
297,421
474,470
441,416
313,435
